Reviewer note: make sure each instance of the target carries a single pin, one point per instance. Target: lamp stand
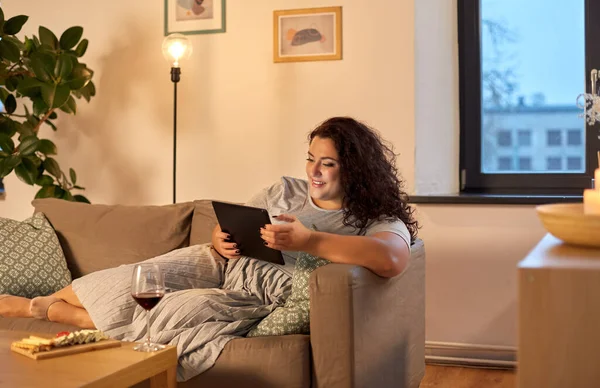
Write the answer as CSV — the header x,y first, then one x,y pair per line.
x,y
175,76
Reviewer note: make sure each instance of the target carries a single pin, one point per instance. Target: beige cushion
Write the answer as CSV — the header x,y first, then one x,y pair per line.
x,y
32,325
267,362
203,223
95,237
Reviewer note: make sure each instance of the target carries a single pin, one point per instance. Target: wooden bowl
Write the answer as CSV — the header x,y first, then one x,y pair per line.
x,y
567,222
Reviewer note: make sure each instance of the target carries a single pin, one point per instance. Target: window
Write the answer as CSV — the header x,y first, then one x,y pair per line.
x,y
526,76
553,163
553,137
524,138
525,163
574,137
504,163
504,138
574,163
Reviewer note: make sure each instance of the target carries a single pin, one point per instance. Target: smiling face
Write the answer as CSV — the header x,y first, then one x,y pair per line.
x,y
323,172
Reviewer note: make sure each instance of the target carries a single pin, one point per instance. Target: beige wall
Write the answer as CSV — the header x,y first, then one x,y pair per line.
x,y
243,122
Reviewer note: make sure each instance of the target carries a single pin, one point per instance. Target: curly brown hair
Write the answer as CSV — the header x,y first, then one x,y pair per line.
x,y
369,176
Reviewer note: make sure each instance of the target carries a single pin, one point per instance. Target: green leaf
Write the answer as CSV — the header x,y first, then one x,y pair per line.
x,y
64,66
39,106
29,46
8,164
29,86
13,25
78,187
48,38
73,175
11,83
55,95
29,145
88,91
70,37
67,196
20,45
47,147
53,115
6,143
47,191
42,65
26,129
3,94
44,180
1,15
81,198
80,76
10,104
59,192
81,48
9,50
51,124
70,106
27,171
52,167
8,126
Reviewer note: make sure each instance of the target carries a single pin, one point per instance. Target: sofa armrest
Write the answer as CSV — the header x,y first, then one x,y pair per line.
x,y
368,331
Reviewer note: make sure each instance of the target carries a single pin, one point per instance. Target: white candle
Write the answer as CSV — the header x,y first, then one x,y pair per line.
x,y
591,201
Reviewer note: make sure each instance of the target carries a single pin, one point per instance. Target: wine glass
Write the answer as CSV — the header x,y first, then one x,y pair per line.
x,y
147,288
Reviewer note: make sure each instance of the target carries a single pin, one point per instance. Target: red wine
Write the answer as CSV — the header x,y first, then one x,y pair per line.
x,y
147,299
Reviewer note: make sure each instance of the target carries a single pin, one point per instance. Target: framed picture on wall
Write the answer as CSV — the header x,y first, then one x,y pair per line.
x,y
310,34
194,16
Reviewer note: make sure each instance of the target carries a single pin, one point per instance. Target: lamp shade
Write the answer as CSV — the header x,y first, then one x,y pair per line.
x,y
176,47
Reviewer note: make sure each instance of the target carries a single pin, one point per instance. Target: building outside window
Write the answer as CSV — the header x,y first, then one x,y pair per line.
x,y
519,81
524,138
574,137
553,138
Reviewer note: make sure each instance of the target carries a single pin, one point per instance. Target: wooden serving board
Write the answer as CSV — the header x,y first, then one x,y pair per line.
x,y
66,350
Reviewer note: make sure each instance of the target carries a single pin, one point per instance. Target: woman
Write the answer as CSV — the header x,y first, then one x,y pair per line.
x,y
351,210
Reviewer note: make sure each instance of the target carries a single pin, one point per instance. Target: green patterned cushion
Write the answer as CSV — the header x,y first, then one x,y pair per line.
x,y
294,316
31,259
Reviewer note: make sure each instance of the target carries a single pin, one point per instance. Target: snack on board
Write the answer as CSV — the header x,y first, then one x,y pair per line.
x,y
34,344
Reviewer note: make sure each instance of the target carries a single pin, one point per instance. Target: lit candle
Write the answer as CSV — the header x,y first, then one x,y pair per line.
x,y
597,179
591,200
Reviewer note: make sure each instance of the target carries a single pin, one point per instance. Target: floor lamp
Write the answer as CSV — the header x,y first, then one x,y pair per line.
x,y
175,47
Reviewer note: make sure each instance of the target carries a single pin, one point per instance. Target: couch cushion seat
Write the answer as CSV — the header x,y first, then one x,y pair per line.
x,y
34,325
266,362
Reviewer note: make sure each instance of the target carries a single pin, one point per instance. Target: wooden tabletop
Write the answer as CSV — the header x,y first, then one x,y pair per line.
x,y
114,367
551,252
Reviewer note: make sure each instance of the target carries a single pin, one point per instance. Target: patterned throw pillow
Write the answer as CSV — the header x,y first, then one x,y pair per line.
x,y
31,259
294,316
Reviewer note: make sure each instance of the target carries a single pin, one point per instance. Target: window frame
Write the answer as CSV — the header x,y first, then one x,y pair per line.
x,y
472,180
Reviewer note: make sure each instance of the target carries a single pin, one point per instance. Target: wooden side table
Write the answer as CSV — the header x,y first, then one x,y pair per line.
x,y
559,316
113,367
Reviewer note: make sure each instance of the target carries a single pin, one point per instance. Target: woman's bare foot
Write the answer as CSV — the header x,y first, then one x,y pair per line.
x,y
39,306
14,306
56,309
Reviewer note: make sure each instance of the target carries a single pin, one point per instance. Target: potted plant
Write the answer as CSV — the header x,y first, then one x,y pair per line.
x,y
39,76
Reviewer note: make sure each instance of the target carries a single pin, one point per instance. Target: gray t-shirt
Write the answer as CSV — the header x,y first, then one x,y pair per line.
x,y
290,196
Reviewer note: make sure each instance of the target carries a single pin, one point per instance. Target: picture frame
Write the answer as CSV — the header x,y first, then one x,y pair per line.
x,y
191,17
308,34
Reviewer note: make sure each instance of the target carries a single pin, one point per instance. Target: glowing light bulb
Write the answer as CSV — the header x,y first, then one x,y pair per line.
x,y
176,47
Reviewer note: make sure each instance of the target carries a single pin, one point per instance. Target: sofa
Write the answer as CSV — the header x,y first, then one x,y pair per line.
x,y
365,331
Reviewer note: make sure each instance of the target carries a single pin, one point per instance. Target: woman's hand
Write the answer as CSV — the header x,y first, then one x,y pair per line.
x,y
292,236
225,248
